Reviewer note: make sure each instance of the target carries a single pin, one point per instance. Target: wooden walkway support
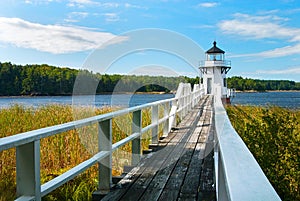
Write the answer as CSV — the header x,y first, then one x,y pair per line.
x,y
180,168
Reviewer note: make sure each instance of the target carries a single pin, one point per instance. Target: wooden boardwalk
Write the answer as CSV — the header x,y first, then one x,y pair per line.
x,y
181,167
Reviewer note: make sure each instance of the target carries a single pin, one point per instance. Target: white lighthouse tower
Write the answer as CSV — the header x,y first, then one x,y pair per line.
x,y
213,73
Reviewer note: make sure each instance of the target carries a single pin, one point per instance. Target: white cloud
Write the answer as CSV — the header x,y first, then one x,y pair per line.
x,y
268,12
111,17
120,5
107,5
55,39
154,70
257,27
263,27
40,1
208,4
287,74
76,16
128,5
82,3
280,72
277,52
203,26
111,5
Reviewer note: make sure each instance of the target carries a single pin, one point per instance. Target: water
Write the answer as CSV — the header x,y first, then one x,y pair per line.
x,y
282,99
124,100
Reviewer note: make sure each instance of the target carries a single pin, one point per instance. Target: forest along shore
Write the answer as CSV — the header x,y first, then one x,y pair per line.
x,y
16,80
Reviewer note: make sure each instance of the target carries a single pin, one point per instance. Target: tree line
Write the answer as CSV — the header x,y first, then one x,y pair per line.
x,y
50,80
44,79
244,84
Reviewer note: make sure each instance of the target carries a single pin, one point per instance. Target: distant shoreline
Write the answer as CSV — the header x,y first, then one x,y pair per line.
x,y
146,93
103,93
254,91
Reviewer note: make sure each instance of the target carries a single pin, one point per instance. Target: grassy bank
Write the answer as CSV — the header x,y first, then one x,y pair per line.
x,y
61,152
273,136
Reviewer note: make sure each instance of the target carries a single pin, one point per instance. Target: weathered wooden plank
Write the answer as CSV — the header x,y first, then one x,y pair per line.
x,y
125,184
187,185
207,187
190,188
171,195
180,153
165,174
121,188
144,180
192,179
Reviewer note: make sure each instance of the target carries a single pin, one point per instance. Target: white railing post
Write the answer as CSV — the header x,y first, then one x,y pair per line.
x,y
185,102
172,119
180,105
166,113
190,97
194,96
176,104
154,119
198,94
105,144
28,170
136,143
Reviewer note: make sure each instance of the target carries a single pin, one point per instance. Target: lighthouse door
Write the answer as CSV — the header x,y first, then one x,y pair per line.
x,y
209,85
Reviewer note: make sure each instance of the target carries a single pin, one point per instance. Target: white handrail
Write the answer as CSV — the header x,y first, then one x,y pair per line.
x,y
28,144
238,175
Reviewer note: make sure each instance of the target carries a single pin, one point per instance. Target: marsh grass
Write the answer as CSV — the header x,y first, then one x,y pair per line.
x,y
63,151
273,136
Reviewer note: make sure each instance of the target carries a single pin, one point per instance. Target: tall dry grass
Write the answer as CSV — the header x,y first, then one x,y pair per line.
x,y
63,151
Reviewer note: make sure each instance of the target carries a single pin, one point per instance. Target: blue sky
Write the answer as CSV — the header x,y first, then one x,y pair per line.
x,y
261,38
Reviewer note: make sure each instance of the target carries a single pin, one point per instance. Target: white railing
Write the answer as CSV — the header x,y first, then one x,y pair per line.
x,y
28,144
231,93
238,175
212,63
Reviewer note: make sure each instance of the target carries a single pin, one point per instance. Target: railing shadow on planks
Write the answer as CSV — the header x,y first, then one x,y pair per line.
x,y
28,144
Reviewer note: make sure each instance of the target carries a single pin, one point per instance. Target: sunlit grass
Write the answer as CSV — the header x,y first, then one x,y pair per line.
x,y
273,136
63,151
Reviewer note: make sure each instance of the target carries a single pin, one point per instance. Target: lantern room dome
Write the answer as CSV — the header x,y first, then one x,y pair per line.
x,y
215,49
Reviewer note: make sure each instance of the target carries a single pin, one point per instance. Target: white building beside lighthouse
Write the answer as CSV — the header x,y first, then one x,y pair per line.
x,y
213,73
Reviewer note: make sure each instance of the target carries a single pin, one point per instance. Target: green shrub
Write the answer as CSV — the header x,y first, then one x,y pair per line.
x,y
272,134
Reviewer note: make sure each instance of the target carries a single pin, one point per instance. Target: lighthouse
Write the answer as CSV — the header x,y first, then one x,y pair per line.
x,y
213,73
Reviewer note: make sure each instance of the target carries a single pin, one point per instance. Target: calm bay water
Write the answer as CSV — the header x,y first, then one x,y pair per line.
x,y
282,99
124,100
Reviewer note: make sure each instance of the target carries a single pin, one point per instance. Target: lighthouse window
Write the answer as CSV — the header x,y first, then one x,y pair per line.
x,y
224,81
216,57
